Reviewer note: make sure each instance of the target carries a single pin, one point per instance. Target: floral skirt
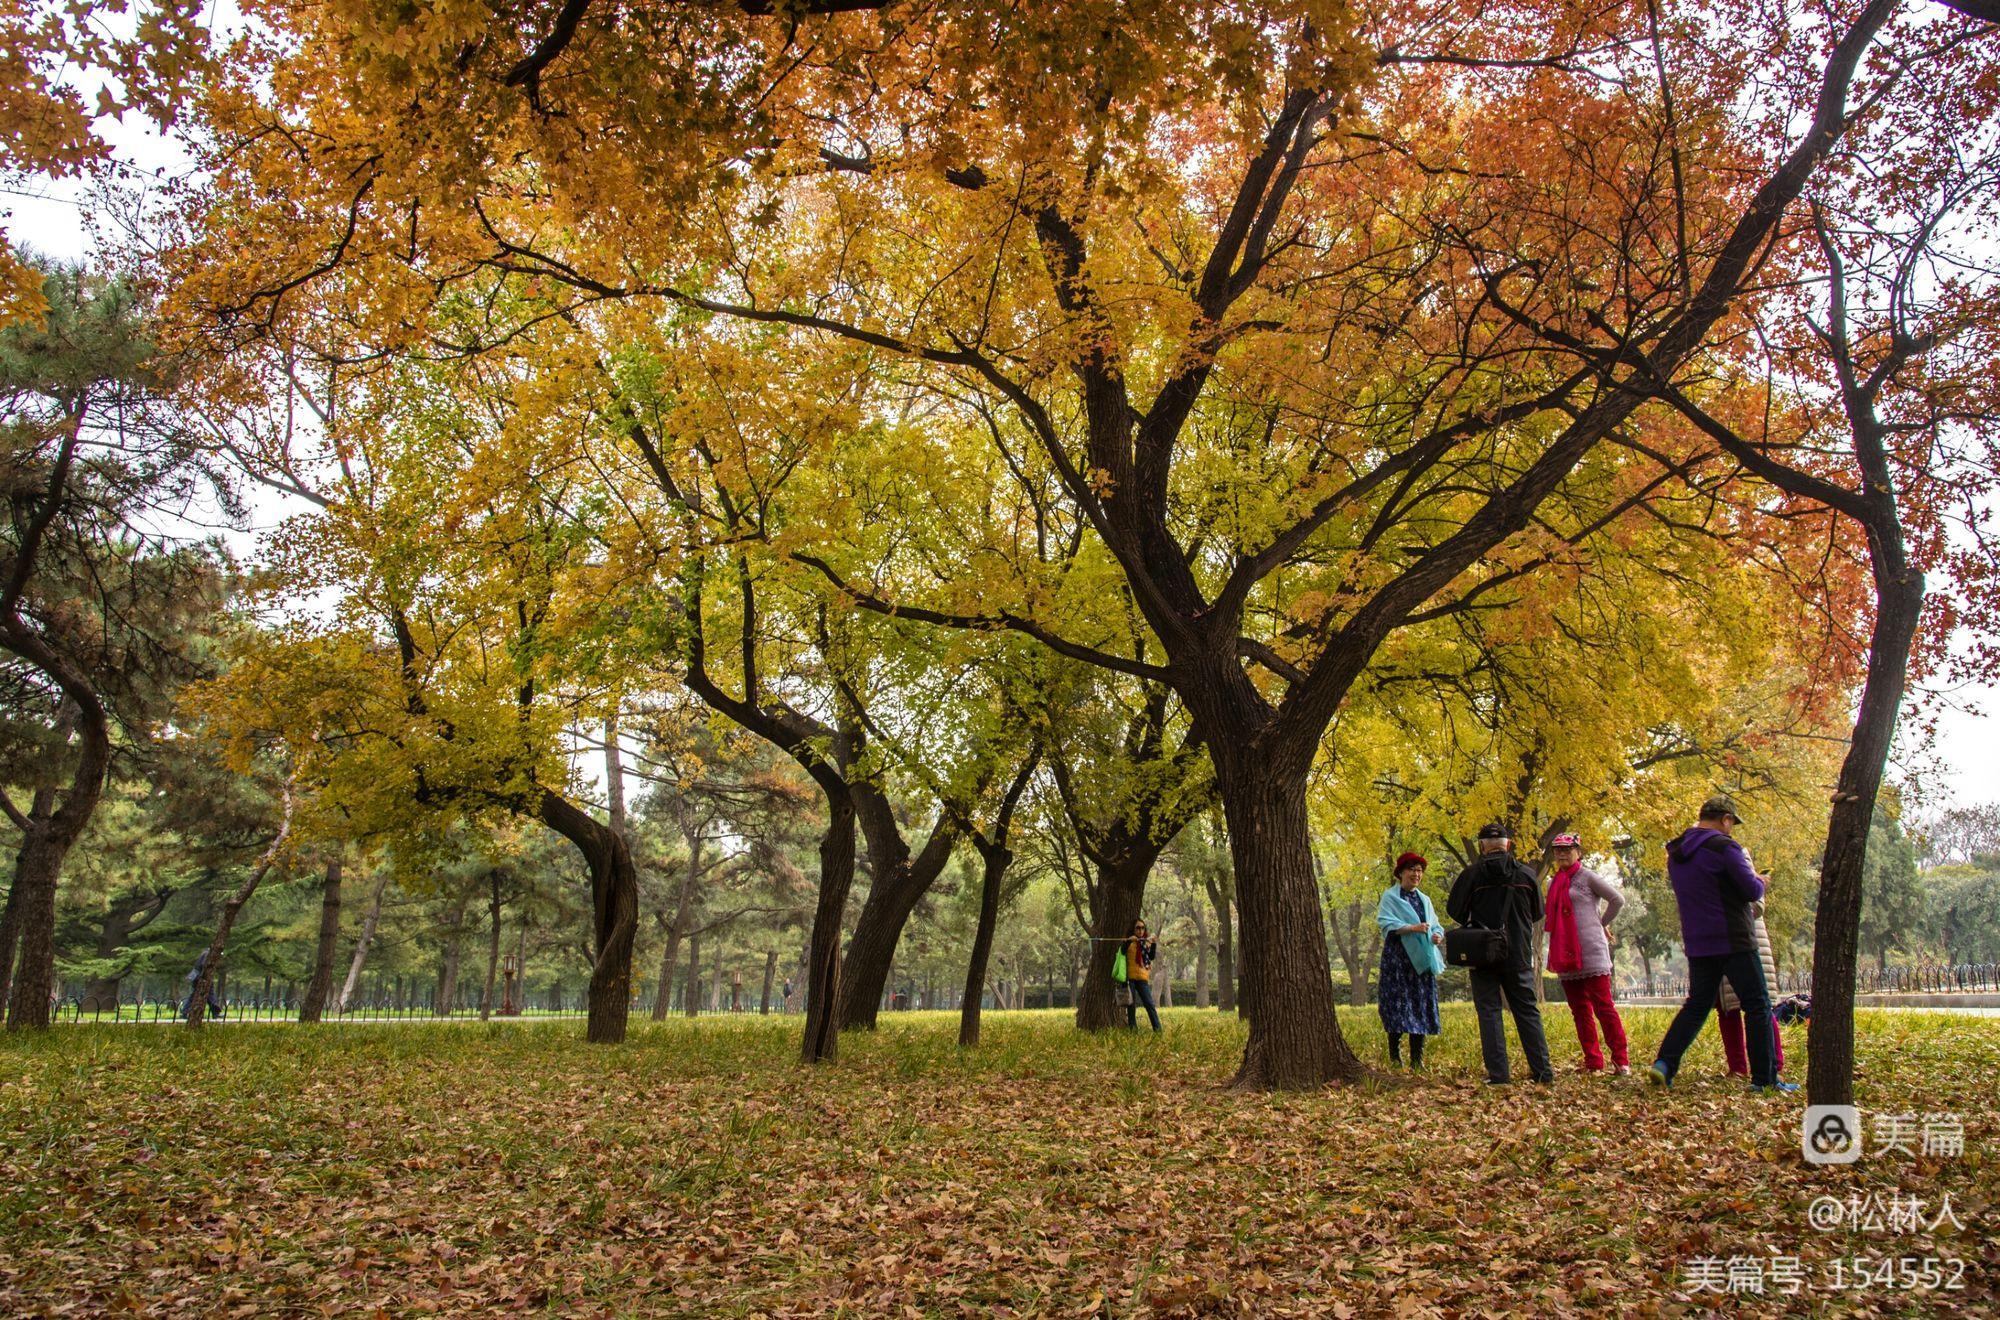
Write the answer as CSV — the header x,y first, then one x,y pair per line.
x,y
1406,997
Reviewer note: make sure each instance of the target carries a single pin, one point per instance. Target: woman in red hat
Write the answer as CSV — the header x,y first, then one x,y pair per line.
x,y
1412,957
1579,937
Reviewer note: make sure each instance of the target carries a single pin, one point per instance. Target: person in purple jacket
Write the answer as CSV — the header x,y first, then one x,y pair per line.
x,y
1715,886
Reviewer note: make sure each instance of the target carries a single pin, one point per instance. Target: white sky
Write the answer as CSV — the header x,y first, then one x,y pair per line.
x,y
1962,766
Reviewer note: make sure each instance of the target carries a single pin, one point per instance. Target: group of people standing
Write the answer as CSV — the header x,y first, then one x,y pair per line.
x,y
1719,895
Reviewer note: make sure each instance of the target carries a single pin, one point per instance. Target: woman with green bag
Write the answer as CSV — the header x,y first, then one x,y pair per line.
x,y
1135,964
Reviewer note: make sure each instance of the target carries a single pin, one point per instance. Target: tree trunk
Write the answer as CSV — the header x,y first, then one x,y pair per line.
x,y
614,901
321,986
1221,896
1837,925
1295,1037
211,971
452,959
1121,890
1200,956
836,878
37,866
361,947
994,872
770,975
896,883
1357,912
121,919
715,983
691,992
10,935
492,945
663,998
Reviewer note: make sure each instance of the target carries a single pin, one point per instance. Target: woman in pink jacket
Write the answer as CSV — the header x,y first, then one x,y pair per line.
x,y
1579,938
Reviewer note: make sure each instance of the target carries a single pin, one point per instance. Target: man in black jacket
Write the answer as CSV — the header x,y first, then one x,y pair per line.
x,y
1499,893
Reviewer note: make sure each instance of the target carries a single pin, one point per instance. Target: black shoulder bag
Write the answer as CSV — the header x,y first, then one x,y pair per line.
x,y
1479,946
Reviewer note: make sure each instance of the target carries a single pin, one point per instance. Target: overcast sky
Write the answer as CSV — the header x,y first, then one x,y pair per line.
x,y
1962,766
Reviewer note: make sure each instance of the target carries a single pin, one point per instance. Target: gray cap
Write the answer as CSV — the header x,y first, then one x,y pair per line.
x,y
1720,805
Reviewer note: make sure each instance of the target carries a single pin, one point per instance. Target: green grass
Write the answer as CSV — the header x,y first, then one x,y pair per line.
x,y
697,1169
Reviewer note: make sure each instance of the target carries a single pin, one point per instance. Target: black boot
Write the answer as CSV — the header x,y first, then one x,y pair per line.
x,y
1416,1051
1396,1047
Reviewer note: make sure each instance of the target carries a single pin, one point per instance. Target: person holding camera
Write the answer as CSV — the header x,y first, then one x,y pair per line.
x,y
1412,940
1496,892
1140,950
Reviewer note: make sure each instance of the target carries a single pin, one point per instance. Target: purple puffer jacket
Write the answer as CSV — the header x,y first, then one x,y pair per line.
x,y
1714,887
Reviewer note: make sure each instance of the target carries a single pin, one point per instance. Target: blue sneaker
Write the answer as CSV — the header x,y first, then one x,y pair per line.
x,y
1658,1075
1777,1088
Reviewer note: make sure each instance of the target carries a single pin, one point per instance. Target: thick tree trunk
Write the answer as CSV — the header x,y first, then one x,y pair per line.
x,y
492,945
321,986
994,873
362,946
211,970
121,921
715,982
1837,925
770,975
37,866
614,900
1121,891
823,971
897,882
1295,1036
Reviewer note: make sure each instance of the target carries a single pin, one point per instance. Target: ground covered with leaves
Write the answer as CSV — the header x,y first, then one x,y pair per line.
x,y
697,1170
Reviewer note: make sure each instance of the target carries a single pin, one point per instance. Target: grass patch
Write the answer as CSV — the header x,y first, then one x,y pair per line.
x,y
698,1170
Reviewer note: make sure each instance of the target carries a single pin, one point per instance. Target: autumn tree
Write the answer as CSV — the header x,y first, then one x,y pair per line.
x,y
1871,395
100,614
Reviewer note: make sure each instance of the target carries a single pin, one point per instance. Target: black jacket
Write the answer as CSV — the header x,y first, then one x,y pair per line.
x,y
1497,892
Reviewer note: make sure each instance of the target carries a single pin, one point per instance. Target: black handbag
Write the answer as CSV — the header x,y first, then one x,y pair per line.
x,y
1475,946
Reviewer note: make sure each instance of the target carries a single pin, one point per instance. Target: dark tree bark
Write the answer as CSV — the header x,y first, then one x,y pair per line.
x,y
992,874
1837,925
836,878
211,970
897,882
320,988
1295,1038
47,835
614,901
770,975
995,857
127,916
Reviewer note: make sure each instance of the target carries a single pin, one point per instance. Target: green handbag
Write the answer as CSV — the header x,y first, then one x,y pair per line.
x,y
1118,966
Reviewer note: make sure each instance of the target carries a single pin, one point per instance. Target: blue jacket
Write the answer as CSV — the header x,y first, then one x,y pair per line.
x,y
1714,888
1394,911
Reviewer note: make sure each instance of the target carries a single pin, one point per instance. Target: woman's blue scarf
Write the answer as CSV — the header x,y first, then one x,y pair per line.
x,y
1398,909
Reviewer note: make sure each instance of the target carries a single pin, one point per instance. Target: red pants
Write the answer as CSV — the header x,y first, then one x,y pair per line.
x,y
1734,1048
1590,1004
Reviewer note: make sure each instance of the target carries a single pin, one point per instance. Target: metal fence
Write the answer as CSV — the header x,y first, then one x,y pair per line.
x,y
1931,979
283,1008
